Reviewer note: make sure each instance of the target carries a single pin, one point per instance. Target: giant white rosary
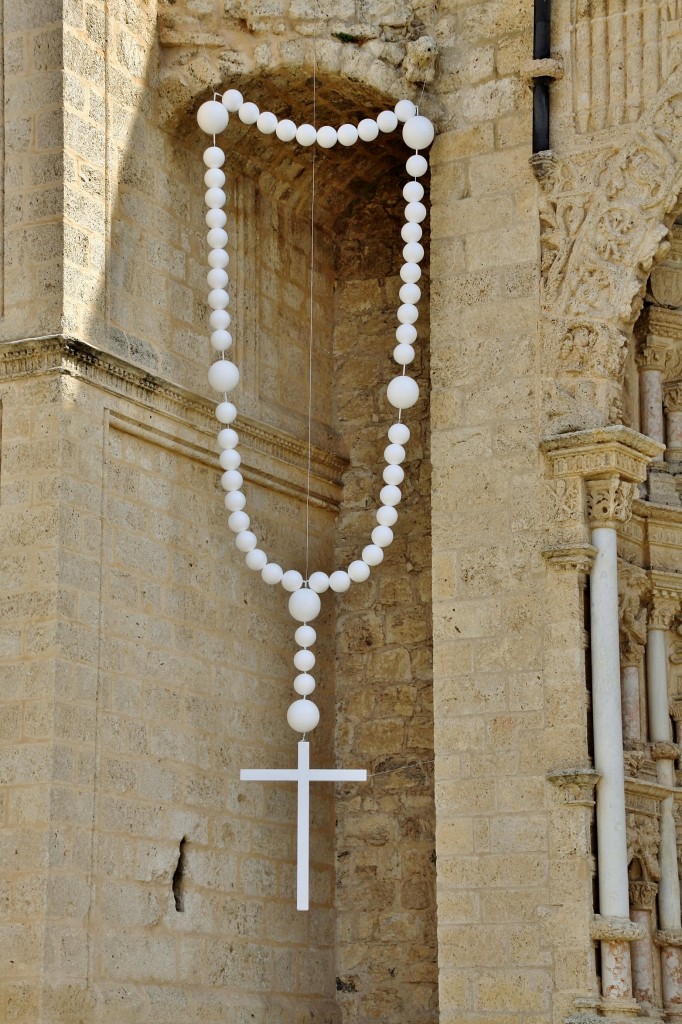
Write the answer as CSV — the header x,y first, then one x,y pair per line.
x,y
402,393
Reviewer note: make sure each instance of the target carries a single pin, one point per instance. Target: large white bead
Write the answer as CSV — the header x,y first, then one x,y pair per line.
x,y
411,232
305,135
418,132
387,515
413,252
246,540
231,480
304,605
304,660
368,129
413,192
303,716
402,393
217,238
218,258
232,100
221,341
212,117
408,313
358,571
416,165
403,355
238,521
387,121
214,156
393,475
410,293
319,582
216,278
216,218
339,581
390,495
248,113
214,198
218,298
399,433
214,178
372,554
305,636
410,273
347,134
292,580
304,683
223,375
382,536
234,501
415,212
394,454
227,438
220,319
266,123
326,137
285,130
256,559
406,334
272,573
230,459
404,110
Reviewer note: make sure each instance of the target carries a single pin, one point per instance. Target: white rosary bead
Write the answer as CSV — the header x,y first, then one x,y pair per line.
x,y
326,137
347,134
394,454
226,412
387,515
214,198
418,132
368,129
216,278
413,252
305,636
393,475
304,684
214,156
235,501
402,393
304,660
382,536
372,554
399,433
390,495
272,573
416,166
409,292
415,212
285,130
217,238
266,123
218,298
339,581
411,232
403,355
304,605
218,259
256,559
246,541
407,313
413,192
404,110
239,521
230,459
212,117
214,178
319,582
303,716
228,438
223,375
248,113
358,571
306,135
292,580
231,480
387,121
221,341
216,218
220,319
232,100
410,273
406,334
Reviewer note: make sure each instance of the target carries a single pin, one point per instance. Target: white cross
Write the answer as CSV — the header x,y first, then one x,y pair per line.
x,y
304,775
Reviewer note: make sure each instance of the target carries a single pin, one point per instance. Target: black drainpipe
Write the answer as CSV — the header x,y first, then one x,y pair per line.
x,y
542,31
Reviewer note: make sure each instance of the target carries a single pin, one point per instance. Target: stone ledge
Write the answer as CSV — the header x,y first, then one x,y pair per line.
x,y
615,929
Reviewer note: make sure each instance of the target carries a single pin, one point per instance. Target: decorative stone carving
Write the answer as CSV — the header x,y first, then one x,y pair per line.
x,y
615,929
634,760
643,895
594,349
665,751
664,606
670,937
565,501
577,784
643,842
609,501
632,613
653,353
578,557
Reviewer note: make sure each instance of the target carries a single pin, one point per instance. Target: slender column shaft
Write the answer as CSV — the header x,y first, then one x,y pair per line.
x,y
632,726
642,959
651,404
657,686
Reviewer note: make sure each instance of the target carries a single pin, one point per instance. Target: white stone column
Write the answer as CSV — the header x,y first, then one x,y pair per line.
x,y
673,409
609,502
651,361
643,901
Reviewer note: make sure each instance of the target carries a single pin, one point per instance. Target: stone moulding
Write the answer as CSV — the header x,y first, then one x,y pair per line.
x,y
273,458
668,937
578,557
577,784
604,451
615,929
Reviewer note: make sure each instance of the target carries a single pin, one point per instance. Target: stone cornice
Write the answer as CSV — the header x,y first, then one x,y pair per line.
x,y
271,457
605,451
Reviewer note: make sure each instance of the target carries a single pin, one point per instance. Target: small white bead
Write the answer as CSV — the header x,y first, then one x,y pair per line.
x,y
305,636
390,495
221,341
319,582
285,130
212,117
358,571
230,458
226,412
248,113
415,212
214,156
218,258
410,273
266,123
387,515
339,581
413,252
304,660
408,313
239,521
399,433
406,334
272,573
256,559
418,132
372,554
227,438
411,232
347,134
394,475
223,375
402,393
304,605
220,319
394,454
382,536
218,298
232,100
304,683
216,278
214,198
368,129
246,541
217,238
416,166
303,716
232,480
413,192
404,110
214,178
216,218
292,580
387,121
326,137
305,135
410,293
403,355
234,501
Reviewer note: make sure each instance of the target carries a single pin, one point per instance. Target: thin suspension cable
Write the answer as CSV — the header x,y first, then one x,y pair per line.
x,y
311,312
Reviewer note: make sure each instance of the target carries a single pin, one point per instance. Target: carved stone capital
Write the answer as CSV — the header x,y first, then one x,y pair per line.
x,y
653,353
672,397
578,784
665,751
668,937
603,452
676,710
615,929
577,557
664,605
609,501
643,895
